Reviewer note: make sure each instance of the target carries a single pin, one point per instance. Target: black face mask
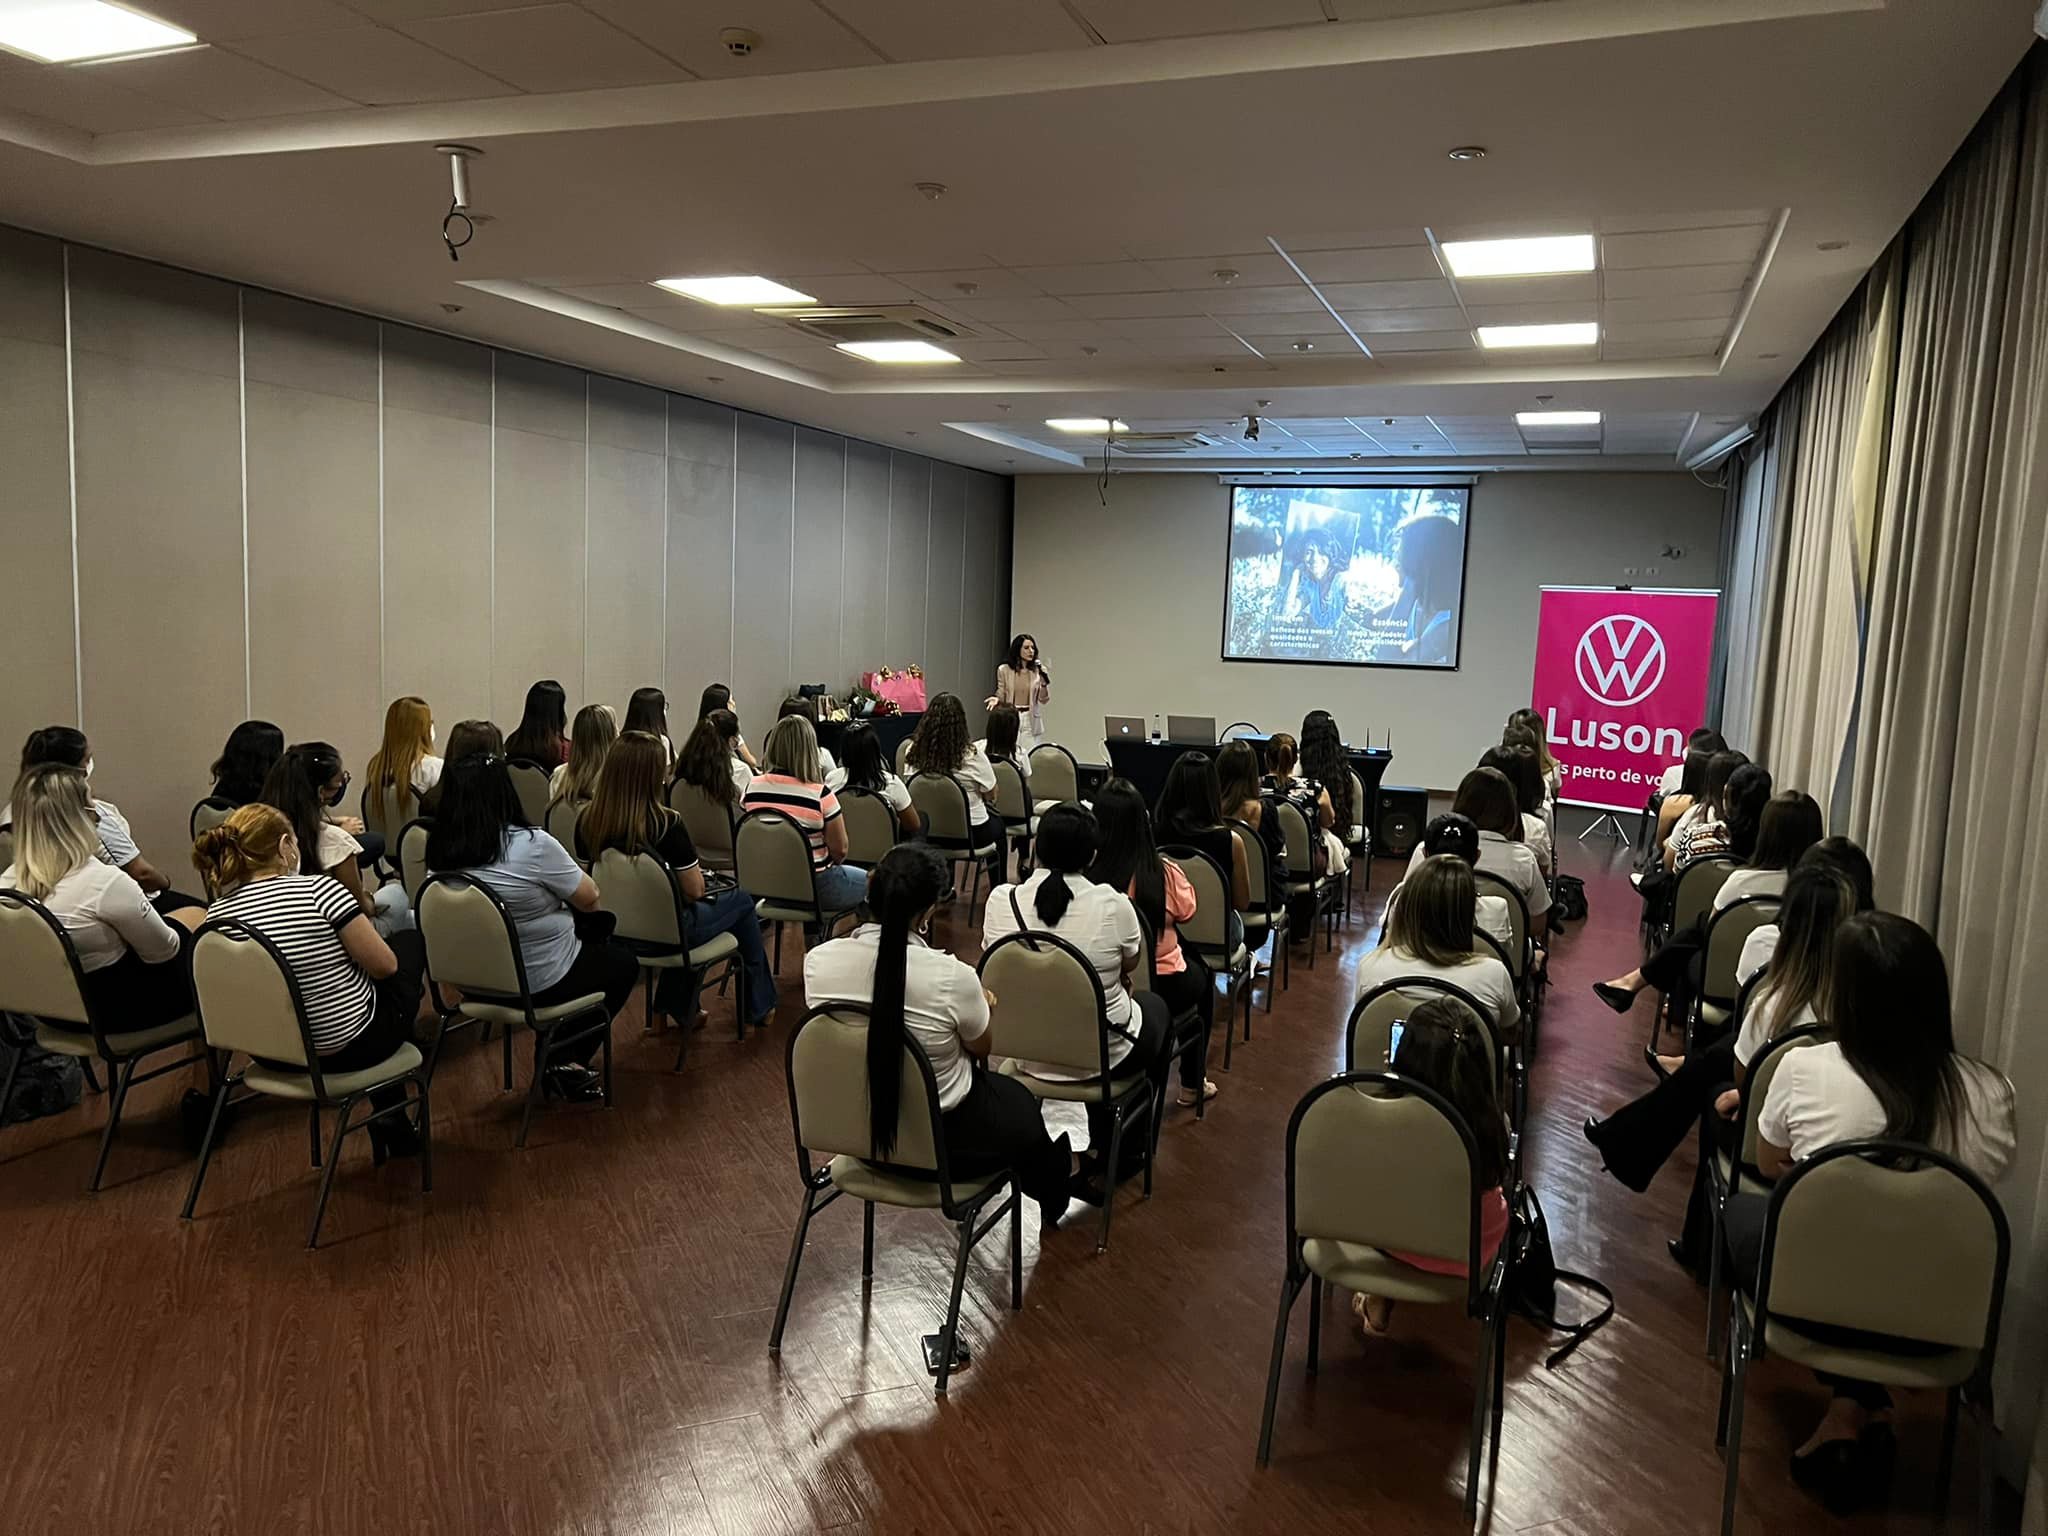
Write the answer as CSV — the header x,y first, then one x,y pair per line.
x,y
340,791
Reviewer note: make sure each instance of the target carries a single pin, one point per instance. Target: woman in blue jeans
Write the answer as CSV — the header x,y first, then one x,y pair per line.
x,y
791,781
627,813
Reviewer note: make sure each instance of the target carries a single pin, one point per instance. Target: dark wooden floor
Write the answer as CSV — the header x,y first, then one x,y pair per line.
x,y
573,1338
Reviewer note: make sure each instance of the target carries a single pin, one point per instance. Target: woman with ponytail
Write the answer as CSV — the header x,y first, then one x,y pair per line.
x,y
361,989
912,990
1101,923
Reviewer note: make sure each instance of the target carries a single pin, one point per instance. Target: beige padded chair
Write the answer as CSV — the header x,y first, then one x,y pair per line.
x,y
6,846
828,1107
1727,931
1268,915
40,979
561,825
871,826
1050,1011
640,890
1369,1032
902,754
386,812
1692,897
206,815
1018,810
249,1002
1055,776
1517,952
1886,1238
472,946
1207,934
774,860
709,824
530,781
950,830
1347,1206
1324,890
412,858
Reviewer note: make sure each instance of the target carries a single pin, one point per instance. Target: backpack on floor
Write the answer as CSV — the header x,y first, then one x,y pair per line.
x,y
46,1083
1536,1279
1568,900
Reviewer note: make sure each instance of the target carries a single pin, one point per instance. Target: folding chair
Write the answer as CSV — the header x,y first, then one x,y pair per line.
x,y
562,817
709,823
1020,819
1727,931
530,780
1267,918
206,815
640,891
1208,933
871,826
1320,890
774,867
950,828
1055,776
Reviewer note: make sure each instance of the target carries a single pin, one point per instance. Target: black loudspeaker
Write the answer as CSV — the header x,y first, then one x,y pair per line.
x,y
1398,827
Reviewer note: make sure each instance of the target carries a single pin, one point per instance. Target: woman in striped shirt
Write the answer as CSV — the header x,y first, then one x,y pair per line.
x,y
361,990
791,781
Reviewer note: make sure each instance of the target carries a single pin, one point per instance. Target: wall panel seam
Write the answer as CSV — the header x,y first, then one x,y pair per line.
x,y
242,394
71,475
789,628
667,446
491,551
586,538
839,652
383,678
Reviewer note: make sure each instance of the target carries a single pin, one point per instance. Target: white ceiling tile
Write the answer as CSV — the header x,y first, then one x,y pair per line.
x,y
395,12
547,48
1643,223
1349,239
1200,272
996,350
1380,322
220,84
1527,314
1119,305
1076,331
1220,346
1661,282
628,295
224,21
1192,247
1387,10
1413,295
949,29
1233,300
1683,247
1667,330
1697,306
989,283
795,35
85,98
1125,21
850,288
374,65
1384,264
1147,328
1572,287
915,255
1005,312
703,320
1094,277
1316,322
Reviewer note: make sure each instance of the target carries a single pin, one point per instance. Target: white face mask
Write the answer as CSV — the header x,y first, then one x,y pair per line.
x,y
88,767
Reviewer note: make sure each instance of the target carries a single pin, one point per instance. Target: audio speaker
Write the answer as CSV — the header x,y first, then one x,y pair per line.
x,y
1397,828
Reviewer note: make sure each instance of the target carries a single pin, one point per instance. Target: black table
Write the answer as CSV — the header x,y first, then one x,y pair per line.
x,y
891,731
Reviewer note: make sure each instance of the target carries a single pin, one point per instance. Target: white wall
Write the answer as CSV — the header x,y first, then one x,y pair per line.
x,y
1127,604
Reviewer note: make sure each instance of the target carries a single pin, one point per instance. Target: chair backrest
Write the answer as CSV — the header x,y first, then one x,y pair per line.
x,y
709,824
1237,728
1727,931
1055,777
871,826
1762,1068
247,996
943,799
1888,1238
1258,865
561,822
828,1093
530,780
1013,795
639,889
1208,928
1295,830
384,809
1385,1162
902,755
1358,817
1369,1036
39,973
6,846
1490,884
774,859
412,857
1694,894
470,941
1049,1004
206,815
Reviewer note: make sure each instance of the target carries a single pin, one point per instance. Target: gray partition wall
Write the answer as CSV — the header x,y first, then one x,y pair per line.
x,y
221,503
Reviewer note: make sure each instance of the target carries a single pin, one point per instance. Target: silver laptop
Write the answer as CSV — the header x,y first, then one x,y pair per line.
x,y
1195,730
1123,727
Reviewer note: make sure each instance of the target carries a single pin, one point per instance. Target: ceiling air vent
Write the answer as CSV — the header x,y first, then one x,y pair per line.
x,y
874,322
1158,444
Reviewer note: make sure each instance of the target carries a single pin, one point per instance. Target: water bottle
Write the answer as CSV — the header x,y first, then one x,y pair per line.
x,y
1158,734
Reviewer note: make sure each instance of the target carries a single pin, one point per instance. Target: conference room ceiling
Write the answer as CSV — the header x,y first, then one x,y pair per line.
x,y
1170,213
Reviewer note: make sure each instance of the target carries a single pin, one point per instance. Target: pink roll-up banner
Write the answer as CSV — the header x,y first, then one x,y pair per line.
x,y
1621,681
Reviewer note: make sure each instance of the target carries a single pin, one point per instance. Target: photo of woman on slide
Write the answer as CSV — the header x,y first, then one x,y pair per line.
x,y
1315,592
1431,558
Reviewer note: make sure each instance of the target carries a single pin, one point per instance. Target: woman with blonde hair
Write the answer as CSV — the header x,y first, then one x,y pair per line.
x,y
361,989
404,761
790,781
590,741
132,958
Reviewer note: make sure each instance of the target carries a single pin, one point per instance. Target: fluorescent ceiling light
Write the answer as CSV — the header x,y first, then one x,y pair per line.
x,y
898,351
1537,256
1095,425
729,290
60,31
1577,333
1557,418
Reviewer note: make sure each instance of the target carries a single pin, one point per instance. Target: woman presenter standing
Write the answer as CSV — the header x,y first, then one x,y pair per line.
x,y
1021,681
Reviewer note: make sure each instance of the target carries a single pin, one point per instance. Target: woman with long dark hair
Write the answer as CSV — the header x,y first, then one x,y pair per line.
x,y
542,735
647,710
913,991
711,759
1004,742
717,696
308,782
1128,860
1488,801
1519,766
1553,775
470,738
1702,832
1023,683
1190,813
1430,933
943,745
482,832
1789,824
251,751
867,768
1324,762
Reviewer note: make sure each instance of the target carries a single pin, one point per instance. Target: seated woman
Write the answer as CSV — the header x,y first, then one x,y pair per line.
x,y
361,989
62,746
1308,796
590,740
133,959
1241,798
1488,801
1795,827
1101,923
1839,853
470,738
1323,762
797,704
542,735
1553,773
1654,883
711,761
482,832
1001,744
718,697
252,750
1190,814
790,781
1706,740
1702,832
1127,860
646,710
913,991
307,781
404,761
1440,1050
866,768
1891,1072
942,745
628,813
1518,765
1455,835
1429,933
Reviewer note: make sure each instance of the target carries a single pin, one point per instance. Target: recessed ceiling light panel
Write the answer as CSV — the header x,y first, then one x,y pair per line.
x,y
732,291
1575,333
1557,418
62,31
1536,256
898,351
1096,425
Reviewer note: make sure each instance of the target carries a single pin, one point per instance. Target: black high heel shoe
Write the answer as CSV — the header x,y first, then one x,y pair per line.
x,y
1620,999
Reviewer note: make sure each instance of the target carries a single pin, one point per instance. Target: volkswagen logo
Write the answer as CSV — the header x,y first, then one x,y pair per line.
x,y
1620,660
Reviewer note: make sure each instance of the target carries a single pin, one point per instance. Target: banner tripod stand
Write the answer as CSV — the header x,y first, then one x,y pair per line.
x,y
1619,832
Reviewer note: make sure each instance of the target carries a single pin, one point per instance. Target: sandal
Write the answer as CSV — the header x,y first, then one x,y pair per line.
x,y
1362,1310
1188,1100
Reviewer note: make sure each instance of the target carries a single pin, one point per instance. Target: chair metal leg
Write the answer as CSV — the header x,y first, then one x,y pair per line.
x,y
533,1092
220,1098
796,1254
867,1239
1315,1325
327,1178
13,1071
1739,1351
1944,1469
1500,1372
1016,1250
778,949
508,1056
91,1078
604,1042
426,1135
1110,1180
1481,1391
118,1098
313,1132
1290,1288
1715,1239
952,1328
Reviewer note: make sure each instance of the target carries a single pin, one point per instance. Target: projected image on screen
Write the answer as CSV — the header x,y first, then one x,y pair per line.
x,y
1368,575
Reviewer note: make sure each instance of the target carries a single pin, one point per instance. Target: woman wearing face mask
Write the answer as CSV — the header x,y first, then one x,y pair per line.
x,y
307,782
405,760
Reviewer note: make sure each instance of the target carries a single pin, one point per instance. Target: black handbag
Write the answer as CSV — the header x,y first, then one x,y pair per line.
x,y
1536,1278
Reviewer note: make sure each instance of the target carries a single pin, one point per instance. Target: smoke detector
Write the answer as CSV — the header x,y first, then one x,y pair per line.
x,y
740,42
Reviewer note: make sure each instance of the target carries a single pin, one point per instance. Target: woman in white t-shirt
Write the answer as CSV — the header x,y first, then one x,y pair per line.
x,y
942,745
1430,934
716,698
1487,800
306,783
1518,764
1001,745
1891,1073
65,746
989,1122
866,768
405,759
